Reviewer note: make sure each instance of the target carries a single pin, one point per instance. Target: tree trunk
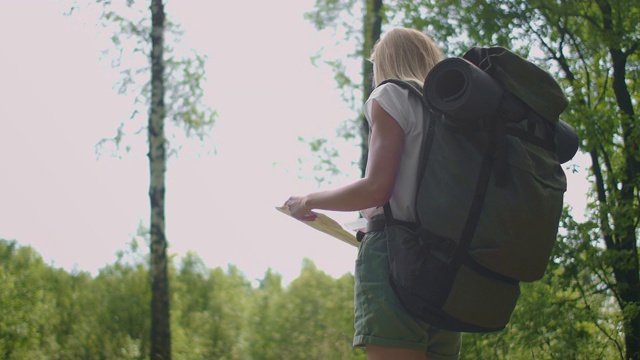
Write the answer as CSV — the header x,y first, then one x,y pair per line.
x,y
160,324
627,271
372,31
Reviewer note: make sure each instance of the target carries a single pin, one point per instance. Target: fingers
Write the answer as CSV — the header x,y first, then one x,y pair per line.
x,y
310,216
297,209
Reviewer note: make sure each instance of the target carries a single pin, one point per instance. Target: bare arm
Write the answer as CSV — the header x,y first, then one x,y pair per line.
x,y
375,189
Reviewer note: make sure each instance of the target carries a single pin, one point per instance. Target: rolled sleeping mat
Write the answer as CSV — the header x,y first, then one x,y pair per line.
x,y
460,89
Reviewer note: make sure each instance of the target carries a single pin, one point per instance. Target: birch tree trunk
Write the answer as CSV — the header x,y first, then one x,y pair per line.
x,y
372,31
160,322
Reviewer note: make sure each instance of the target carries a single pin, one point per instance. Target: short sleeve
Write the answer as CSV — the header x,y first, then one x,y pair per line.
x,y
395,101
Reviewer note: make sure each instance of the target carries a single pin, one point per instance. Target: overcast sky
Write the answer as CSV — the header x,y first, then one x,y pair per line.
x,y
77,210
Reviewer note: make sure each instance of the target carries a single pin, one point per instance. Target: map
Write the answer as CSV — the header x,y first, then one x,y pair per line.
x,y
328,226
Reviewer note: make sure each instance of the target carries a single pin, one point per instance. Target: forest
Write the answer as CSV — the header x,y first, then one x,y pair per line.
x,y
48,313
150,305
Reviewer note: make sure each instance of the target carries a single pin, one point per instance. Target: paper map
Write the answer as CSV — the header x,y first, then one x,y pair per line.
x,y
328,226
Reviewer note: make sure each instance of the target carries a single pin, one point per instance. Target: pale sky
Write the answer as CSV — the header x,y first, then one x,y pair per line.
x,y
77,211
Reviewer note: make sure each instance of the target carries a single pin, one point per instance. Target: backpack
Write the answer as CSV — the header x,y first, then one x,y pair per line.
x,y
490,190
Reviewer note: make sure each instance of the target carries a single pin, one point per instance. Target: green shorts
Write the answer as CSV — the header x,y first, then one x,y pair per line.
x,y
380,319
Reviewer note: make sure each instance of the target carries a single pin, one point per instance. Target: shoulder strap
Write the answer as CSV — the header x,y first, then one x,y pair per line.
x,y
412,86
427,139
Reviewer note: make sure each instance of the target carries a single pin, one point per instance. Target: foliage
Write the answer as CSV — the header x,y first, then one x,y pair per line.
x,y
209,311
344,20
312,318
216,314
127,26
25,305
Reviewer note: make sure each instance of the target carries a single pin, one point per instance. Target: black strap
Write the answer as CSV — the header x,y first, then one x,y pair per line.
x,y
547,143
381,223
479,195
479,269
427,139
540,132
413,87
377,224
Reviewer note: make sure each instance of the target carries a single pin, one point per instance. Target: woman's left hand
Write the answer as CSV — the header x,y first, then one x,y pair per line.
x,y
298,210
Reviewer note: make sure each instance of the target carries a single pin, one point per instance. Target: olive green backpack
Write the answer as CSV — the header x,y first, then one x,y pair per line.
x,y
490,192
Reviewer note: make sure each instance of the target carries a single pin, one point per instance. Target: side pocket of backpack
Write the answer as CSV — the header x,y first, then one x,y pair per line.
x,y
412,265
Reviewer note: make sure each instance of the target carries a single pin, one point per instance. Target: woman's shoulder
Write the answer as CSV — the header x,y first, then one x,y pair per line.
x,y
398,102
390,93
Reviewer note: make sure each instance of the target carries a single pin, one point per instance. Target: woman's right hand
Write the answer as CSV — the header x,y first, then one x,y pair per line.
x,y
297,208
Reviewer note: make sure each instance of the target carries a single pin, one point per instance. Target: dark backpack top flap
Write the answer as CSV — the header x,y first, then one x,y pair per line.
x,y
533,85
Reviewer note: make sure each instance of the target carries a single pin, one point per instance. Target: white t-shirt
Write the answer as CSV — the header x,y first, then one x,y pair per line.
x,y
408,111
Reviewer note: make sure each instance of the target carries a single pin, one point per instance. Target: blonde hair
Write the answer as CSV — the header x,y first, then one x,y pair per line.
x,y
404,54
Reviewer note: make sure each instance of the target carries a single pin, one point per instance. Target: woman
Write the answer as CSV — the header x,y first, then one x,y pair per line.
x,y
396,118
